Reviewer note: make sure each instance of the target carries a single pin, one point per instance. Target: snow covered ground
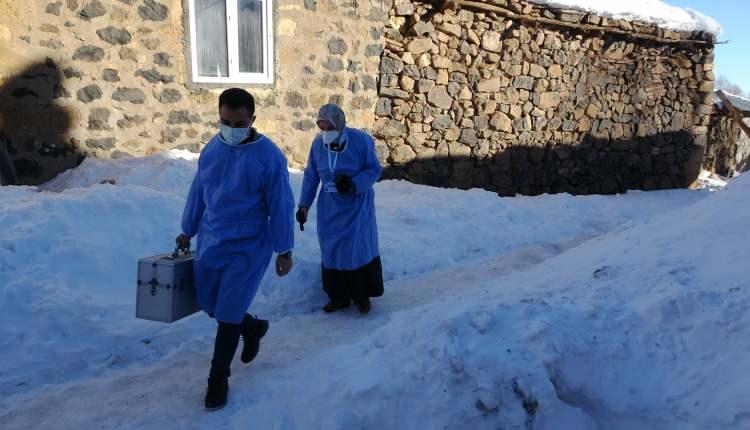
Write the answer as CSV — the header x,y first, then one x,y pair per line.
x,y
550,312
652,11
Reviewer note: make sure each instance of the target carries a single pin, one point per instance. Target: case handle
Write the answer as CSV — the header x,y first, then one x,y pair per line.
x,y
177,251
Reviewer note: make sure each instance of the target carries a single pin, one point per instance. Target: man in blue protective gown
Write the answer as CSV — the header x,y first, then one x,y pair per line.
x,y
241,207
344,161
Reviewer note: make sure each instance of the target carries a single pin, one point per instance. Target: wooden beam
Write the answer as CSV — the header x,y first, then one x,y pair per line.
x,y
734,112
484,7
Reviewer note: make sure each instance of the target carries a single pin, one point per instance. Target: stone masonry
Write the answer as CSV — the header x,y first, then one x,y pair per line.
x,y
728,148
456,96
504,101
115,77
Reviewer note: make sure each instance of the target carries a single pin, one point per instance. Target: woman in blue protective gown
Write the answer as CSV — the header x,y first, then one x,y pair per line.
x,y
344,166
241,207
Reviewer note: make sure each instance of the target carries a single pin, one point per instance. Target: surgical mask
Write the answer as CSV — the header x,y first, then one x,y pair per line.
x,y
329,136
233,136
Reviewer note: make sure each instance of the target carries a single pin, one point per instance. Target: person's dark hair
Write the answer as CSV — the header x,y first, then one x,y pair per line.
x,y
237,98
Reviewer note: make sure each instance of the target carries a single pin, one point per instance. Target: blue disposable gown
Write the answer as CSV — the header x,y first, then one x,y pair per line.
x,y
347,228
241,207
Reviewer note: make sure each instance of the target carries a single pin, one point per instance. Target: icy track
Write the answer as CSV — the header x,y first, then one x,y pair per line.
x,y
552,312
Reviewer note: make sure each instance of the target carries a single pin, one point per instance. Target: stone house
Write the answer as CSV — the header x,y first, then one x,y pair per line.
x,y
728,149
507,95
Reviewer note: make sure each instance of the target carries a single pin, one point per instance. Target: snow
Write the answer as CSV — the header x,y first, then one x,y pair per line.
x,y
711,181
651,11
549,312
740,103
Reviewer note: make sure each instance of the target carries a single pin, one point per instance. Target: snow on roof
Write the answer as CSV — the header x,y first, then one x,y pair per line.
x,y
651,11
740,103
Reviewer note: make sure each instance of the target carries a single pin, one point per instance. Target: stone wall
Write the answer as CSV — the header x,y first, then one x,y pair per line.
x,y
524,99
455,97
111,78
728,148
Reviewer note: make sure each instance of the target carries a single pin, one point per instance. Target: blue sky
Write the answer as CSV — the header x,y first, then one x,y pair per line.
x,y
733,59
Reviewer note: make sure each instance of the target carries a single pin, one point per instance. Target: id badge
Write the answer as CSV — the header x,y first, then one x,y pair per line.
x,y
330,187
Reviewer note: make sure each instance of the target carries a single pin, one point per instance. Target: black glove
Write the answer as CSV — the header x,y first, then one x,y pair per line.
x,y
344,184
183,243
301,218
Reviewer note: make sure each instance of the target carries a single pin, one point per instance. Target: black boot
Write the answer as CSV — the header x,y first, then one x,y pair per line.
x,y
364,306
335,305
253,330
227,339
216,393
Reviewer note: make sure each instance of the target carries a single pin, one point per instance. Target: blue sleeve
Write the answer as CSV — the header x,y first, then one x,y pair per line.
x,y
371,170
311,181
280,201
194,207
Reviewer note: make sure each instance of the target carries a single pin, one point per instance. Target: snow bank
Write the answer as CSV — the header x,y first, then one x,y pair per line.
x,y
547,312
167,171
644,328
68,257
652,11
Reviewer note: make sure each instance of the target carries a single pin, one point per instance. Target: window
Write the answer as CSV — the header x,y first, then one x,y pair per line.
x,y
232,41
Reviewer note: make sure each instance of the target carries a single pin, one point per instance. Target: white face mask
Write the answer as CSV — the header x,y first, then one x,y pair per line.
x,y
233,136
329,136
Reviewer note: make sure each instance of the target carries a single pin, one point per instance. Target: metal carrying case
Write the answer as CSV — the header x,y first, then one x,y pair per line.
x,y
166,290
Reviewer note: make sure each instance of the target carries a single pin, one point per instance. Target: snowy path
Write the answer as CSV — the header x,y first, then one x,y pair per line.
x,y
169,393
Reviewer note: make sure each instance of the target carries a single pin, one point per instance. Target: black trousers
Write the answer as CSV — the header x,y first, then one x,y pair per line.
x,y
226,343
358,285
7,170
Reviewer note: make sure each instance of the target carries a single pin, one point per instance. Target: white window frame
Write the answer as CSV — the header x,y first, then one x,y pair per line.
x,y
235,77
